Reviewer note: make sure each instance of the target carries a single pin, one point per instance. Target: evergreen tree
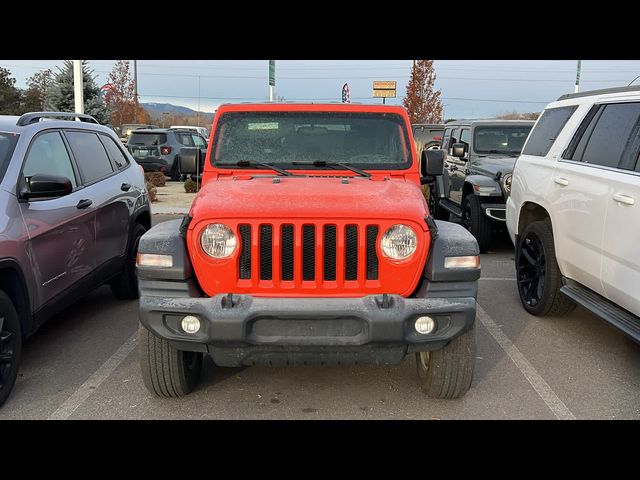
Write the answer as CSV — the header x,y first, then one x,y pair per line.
x,y
37,86
422,102
60,97
10,96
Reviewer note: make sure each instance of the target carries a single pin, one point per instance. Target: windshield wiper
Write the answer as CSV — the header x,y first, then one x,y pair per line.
x,y
322,163
247,163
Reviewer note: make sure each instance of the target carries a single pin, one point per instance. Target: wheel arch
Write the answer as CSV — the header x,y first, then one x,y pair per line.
x,y
532,212
13,283
144,219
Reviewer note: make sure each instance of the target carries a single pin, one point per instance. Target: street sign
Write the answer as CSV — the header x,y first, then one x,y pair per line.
x,y
384,89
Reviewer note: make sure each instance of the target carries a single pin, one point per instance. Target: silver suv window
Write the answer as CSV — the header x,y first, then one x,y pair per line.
x,y
90,156
48,155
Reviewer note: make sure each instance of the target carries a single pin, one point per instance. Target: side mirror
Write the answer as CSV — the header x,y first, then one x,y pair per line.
x,y
189,161
46,186
458,150
431,165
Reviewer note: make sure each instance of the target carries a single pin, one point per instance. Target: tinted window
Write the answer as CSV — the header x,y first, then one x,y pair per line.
x,y
7,144
465,136
198,140
612,137
500,139
547,130
446,139
90,155
114,152
185,139
48,155
148,139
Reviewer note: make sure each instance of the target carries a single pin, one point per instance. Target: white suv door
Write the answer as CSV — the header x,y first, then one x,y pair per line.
x,y
600,204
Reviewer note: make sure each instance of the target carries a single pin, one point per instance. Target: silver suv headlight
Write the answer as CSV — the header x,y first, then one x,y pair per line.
x,y
506,183
218,240
399,242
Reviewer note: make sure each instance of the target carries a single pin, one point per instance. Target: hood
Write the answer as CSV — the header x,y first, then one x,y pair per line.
x,y
492,165
309,197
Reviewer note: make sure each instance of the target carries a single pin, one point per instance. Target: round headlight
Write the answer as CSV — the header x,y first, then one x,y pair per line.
x,y
506,181
399,242
218,241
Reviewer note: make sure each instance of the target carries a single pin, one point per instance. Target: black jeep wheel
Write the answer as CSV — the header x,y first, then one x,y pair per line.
x,y
125,285
448,372
433,201
474,220
539,278
175,173
167,371
10,346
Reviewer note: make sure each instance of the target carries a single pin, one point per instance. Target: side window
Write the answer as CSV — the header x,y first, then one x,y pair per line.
x,y
455,135
48,155
612,137
90,155
446,137
465,137
185,139
198,140
114,151
547,130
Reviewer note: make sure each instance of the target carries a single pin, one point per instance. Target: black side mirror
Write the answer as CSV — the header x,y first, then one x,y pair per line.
x,y
458,150
431,165
46,186
189,160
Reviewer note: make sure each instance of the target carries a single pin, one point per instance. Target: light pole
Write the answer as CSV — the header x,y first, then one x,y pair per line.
x,y
272,78
135,87
78,94
578,76
198,114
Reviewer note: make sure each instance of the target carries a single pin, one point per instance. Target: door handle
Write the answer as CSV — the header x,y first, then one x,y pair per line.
x,y
561,181
627,200
82,204
125,187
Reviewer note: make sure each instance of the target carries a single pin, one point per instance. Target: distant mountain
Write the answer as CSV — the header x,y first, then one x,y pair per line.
x,y
160,108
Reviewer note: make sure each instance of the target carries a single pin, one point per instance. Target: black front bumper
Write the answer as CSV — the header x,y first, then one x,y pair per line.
x,y
246,330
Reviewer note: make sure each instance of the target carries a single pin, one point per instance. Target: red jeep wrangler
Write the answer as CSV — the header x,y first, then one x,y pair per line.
x,y
310,242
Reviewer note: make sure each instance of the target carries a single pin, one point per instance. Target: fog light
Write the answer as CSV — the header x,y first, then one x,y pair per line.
x,y
425,325
190,324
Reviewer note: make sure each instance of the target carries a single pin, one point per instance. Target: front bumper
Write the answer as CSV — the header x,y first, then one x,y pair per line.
x,y
246,330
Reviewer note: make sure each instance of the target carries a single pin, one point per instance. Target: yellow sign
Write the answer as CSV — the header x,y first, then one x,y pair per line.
x,y
384,89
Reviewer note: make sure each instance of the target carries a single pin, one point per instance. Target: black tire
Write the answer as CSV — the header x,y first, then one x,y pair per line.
x,y
436,211
10,346
125,285
167,371
476,221
448,372
538,274
175,173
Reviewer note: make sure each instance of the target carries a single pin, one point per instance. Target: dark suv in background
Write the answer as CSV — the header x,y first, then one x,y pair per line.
x,y
73,208
427,136
157,150
476,179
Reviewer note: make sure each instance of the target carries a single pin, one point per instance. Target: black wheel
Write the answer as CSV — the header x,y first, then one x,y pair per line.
x,y
167,371
175,173
436,211
476,221
448,372
10,346
125,285
539,278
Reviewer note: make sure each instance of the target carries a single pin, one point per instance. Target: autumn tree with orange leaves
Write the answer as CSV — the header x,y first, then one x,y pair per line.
x,y
422,102
120,96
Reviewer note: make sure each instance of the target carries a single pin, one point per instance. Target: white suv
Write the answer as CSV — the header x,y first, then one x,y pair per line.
x,y
574,208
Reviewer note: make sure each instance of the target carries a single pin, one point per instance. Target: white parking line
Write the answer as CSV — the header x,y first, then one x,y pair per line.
x,y
538,383
85,390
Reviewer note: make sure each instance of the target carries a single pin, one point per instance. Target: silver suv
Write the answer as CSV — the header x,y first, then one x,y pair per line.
x,y
74,207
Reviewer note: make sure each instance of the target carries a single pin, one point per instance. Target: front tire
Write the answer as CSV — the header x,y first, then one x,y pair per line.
x,y
476,222
167,371
538,274
125,285
436,211
447,373
10,346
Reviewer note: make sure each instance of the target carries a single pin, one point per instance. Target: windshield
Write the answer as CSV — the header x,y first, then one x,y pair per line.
x,y
7,144
501,139
365,140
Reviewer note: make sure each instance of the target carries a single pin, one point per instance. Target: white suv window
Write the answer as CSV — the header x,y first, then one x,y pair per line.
x,y
546,130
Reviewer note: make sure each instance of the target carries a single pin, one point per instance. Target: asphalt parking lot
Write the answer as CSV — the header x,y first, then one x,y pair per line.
x,y
83,364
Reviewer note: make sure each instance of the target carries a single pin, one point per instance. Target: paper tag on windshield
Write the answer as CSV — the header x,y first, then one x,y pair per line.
x,y
263,126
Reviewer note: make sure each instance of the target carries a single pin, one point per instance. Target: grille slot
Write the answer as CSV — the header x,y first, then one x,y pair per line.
x,y
329,252
372,256
244,266
287,252
308,252
265,252
351,253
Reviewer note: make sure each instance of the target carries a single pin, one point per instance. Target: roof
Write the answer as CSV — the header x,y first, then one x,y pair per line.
x,y
307,106
601,91
491,121
10,123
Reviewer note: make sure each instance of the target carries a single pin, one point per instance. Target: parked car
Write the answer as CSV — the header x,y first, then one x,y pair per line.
x,y
201,130
574,209
427,136
127,128
74,207
157,150
479,158
310,242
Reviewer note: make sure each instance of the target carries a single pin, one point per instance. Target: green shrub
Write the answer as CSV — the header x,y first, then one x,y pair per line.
x,y
190,186
155,178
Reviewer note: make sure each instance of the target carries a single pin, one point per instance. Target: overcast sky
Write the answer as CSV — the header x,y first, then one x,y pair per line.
x,y
475,88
